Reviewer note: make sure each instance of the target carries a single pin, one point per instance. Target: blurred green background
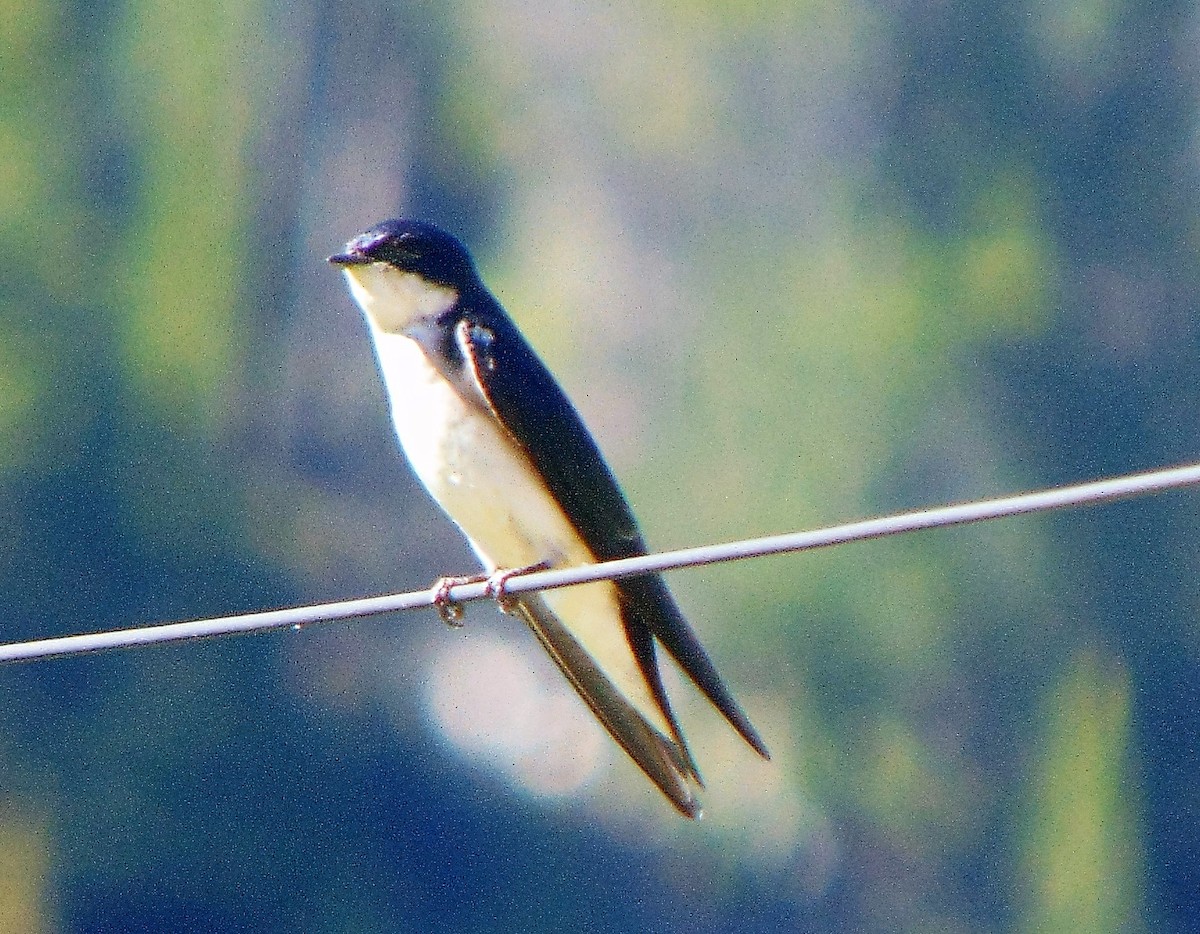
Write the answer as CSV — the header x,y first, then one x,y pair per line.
x,y
797,263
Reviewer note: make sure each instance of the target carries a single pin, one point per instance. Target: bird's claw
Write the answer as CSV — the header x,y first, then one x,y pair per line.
x,y
498,581
450,611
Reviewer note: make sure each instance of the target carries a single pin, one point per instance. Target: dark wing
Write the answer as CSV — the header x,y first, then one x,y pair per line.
x,y
525,398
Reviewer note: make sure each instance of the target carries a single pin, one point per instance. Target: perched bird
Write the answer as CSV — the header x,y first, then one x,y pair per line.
x,y
501,449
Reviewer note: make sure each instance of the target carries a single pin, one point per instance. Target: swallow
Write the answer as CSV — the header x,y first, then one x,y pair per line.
x,y
499,446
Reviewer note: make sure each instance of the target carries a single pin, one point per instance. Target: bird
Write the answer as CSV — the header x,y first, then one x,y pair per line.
x,y
501,449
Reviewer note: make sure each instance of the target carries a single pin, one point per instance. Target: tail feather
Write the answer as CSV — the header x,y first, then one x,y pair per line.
x,y
662,759
649,600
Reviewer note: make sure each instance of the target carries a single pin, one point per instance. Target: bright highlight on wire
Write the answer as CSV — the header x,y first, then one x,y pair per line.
x,y
1098,491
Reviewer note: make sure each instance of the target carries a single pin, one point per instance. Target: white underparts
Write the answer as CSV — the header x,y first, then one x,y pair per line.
x,y
482,480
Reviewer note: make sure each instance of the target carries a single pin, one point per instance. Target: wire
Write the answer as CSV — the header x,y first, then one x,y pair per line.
x,y
961,514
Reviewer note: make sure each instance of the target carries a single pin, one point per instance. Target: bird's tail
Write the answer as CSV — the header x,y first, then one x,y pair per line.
x,y
661,758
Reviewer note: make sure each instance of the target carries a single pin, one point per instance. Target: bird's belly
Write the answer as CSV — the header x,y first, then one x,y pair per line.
x,y
472,468
488,487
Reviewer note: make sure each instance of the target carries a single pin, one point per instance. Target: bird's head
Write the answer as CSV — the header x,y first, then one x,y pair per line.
x,y
401,271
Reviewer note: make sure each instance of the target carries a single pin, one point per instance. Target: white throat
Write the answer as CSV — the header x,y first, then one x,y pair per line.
x,y
395,300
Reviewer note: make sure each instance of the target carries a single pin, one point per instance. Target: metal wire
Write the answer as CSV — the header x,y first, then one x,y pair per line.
x,y
961,514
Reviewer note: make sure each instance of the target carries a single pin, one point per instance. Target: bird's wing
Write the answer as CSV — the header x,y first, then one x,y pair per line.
x,y
525,399
521,394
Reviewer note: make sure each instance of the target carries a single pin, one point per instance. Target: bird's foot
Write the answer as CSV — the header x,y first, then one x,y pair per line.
x,y
498,581
450,611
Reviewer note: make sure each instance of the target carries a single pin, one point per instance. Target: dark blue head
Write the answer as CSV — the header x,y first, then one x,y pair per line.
x,y
412,246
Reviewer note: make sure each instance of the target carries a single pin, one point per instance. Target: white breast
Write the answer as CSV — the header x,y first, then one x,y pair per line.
x,y
487,486
480,477
470,466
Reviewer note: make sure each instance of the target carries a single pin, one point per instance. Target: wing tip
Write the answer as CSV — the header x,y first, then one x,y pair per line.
x,y
691,808
749,734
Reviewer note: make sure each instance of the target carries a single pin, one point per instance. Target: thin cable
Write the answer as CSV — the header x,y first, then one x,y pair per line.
x,y
1082,494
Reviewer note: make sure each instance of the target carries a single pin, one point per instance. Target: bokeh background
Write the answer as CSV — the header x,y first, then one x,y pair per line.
x,y
797,263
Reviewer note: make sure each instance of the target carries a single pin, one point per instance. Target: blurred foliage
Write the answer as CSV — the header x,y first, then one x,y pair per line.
x,y
24,871
1083,864
184,90
798,263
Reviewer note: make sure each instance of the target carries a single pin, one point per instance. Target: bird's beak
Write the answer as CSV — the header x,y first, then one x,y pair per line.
x,y
351,257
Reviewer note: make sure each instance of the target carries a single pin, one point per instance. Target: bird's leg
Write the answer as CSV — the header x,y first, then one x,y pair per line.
x,y
499,580
451,612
